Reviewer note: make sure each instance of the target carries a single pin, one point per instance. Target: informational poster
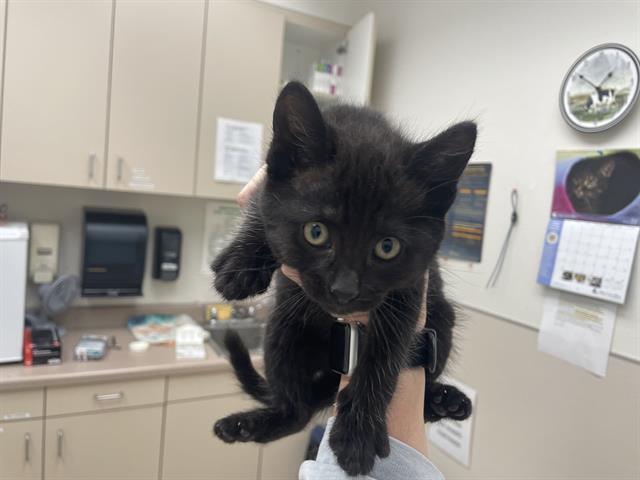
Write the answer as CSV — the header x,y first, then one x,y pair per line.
x,y
577,330
220,221
592,236
466,219
453,437
238,150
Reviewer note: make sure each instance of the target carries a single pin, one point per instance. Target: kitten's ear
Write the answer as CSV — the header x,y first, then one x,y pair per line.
x,y
441,161
299,131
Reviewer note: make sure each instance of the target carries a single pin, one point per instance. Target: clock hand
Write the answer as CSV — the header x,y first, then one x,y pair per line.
x,y
585,79
607,77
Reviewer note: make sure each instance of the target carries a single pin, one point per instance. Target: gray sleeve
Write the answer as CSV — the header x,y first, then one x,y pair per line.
x,y
403,462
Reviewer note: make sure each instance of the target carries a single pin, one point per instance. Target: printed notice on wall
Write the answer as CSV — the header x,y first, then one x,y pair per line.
x,y
452,437
577,330
464,227
238,150
220,221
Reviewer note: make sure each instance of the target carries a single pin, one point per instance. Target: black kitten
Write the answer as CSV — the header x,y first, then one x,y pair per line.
x,y
604,185
359,211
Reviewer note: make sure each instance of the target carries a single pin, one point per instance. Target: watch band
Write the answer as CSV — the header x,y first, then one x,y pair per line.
x,y
347,340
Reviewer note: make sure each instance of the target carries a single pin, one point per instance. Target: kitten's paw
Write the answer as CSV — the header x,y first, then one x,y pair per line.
x,y
239,276
446,401
234,428
357,439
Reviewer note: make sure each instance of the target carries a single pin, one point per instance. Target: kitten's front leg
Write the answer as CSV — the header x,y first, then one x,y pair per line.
x,y
244,268
360,431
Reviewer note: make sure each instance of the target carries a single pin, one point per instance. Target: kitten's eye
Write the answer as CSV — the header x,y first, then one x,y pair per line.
x,y
387,248
316,233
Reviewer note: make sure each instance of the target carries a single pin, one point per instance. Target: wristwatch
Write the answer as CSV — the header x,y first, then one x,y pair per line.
x,y
347,339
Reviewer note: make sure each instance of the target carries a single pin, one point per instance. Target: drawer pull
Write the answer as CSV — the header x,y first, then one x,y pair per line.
x,y
27,448
119,169
109,396
60,435
92,166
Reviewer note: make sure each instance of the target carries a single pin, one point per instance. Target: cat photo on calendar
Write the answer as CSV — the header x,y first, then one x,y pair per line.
x,y
598,185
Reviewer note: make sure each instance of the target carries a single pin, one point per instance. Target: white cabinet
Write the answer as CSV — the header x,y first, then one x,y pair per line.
x,y
114,444
157,54
191,450
241,76
55,92
21,450
308,41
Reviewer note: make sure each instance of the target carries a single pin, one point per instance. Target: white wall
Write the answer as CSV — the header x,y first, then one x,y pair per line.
x,y
64,206
502,64
340,11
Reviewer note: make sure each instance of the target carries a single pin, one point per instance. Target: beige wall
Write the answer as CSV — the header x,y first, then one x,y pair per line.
x,y
64,206
502,63
537,417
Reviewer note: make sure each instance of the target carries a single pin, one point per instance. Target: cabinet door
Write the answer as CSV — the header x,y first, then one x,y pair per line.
x,y
117,444
192,451
21,450
157,56
241,76
55,92
358,61
282,459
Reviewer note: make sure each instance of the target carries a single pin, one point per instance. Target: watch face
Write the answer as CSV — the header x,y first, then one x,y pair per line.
x,y
601,88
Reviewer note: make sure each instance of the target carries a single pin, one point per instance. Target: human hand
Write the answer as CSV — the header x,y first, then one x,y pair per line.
x,y
253,184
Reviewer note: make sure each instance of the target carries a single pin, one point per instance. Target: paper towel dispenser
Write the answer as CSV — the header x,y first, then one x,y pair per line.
x,y
115,247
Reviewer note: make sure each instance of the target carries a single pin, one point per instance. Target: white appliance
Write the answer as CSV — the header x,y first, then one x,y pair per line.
x,y
14,244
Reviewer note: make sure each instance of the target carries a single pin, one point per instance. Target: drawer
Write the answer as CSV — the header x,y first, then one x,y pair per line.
x,y
103,396
21,404
182,387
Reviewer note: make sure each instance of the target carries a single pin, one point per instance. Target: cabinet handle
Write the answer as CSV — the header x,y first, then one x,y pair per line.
x,y
109,396
120,168
92,166
60,435
27,448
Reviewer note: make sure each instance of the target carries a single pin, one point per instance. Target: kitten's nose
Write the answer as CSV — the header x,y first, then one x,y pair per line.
x,y
345,286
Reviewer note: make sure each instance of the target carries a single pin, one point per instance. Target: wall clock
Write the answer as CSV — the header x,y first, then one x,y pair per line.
x,y
600,88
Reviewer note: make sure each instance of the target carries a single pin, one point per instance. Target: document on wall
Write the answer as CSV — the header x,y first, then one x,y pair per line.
x,y
238,150
578,330
453,437
220,221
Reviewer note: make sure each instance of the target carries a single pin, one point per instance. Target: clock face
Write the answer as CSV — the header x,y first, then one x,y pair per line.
x,y
601,88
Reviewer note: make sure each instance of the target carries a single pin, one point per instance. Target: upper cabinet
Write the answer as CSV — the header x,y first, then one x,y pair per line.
x,y
131,94
334,61
55,92
157,58
241,77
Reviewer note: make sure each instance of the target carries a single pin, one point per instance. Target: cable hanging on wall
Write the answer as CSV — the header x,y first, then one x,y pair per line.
x,y
505,245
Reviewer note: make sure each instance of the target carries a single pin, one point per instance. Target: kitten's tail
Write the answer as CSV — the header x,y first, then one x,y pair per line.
x,y
250,380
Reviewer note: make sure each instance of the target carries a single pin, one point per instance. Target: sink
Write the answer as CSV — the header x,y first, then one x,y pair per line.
x,y
251,333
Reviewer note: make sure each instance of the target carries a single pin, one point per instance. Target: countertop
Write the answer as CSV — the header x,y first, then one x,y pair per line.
x,y
158,360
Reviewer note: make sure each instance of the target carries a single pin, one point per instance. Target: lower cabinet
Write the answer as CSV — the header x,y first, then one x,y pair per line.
x,y
121,444
21,450
281,460
191,450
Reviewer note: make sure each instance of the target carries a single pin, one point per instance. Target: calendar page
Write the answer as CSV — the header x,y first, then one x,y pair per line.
x,y
589,258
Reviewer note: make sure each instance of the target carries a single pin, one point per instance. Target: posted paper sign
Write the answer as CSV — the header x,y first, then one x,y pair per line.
x,y
578,330
220,221
238,150
452,437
